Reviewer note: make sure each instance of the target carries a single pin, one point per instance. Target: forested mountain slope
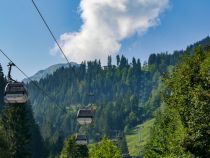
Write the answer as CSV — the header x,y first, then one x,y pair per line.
x,y
121,97
125,95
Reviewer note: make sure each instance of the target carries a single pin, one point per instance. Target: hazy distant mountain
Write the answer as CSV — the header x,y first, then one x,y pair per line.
x,y
48,71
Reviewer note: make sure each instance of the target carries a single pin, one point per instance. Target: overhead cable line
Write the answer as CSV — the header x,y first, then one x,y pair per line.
x,y
43,91
51,33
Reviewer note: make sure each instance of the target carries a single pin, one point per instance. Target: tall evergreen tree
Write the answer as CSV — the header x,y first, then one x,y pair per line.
x,y
36,144
2,86
118,60
4,145
109,64
16,125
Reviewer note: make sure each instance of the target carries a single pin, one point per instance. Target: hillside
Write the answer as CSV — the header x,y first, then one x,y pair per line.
x,y
125,95
121,97
138,137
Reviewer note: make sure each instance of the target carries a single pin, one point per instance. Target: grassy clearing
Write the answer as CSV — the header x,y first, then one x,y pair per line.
x,y
138,137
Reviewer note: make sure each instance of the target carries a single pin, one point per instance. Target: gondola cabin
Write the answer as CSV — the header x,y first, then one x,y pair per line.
x,y
81,140
15,92
85,116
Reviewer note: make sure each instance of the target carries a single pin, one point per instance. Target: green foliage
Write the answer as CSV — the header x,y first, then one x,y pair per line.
x,y
124,97
167,136
72,150
22,138
189,86
126,94
105,149
138,137
161,61
2,85
70,87
122,145
154,100
182,127
36,144
4,152
121,93
16,125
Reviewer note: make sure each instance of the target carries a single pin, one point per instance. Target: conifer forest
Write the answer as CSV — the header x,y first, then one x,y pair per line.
x,y
174,89
104,79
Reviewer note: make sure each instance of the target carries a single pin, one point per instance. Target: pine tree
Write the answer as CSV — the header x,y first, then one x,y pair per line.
x,y
109,64
2,86
1,71
118,60
4,152
16,125
36,145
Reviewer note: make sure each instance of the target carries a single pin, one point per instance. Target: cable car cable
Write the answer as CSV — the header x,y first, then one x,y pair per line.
x,y
51,33
53,36
43,91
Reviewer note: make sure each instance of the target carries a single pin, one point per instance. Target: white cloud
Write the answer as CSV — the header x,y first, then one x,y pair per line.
x,y
106,23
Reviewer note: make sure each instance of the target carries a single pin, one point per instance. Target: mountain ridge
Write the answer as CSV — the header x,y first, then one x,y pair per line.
x,y
41,74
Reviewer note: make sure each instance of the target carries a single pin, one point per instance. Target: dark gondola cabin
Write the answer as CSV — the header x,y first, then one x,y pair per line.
x,y
85,116
81,140
15,92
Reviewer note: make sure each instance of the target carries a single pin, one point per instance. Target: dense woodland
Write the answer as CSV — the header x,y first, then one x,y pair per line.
x,y
174,91
124,96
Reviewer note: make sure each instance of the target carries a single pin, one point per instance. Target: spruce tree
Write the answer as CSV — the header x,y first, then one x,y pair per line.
x,y
16,125
2,85
1,71
4,152
36,145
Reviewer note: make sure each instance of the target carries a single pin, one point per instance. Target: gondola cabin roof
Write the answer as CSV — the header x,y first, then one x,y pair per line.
x,y
81,137
15,87
81,140
15,92
84,113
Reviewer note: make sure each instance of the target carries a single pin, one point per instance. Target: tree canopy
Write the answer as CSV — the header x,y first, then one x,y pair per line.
x,y
105,149
182,127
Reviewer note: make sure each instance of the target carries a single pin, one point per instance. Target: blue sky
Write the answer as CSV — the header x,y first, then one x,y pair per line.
x,y
25,39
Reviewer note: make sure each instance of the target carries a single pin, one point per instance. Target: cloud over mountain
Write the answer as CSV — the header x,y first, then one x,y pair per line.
x,y
106,23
